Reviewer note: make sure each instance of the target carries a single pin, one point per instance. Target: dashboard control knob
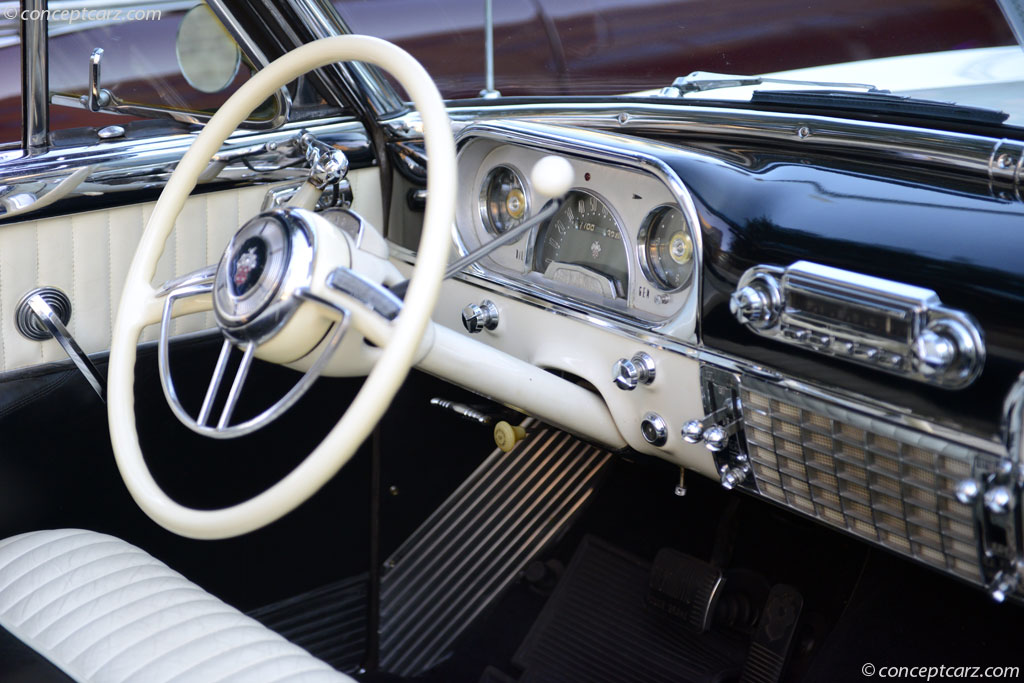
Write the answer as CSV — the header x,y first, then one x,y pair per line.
x,y
693,431
934,352
998,500
480,317
654,429
733,475
967,491
717,437
758,302
629,373
506,435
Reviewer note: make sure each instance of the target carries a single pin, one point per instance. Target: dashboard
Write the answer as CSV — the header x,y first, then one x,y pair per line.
x,y
780,312
622,245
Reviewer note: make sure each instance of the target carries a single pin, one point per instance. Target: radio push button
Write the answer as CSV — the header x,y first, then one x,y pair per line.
x,y
865,352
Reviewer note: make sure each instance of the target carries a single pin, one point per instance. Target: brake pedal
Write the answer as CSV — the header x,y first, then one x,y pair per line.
x,y
774,634
686,587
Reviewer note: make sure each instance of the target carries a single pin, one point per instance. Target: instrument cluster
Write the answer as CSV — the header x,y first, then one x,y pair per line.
x,y
622,243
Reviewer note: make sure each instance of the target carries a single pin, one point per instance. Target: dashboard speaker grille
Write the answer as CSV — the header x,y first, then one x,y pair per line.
x,y
884,483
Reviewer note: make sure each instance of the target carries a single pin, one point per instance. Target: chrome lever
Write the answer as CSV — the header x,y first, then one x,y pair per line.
x,y
97,97
35,303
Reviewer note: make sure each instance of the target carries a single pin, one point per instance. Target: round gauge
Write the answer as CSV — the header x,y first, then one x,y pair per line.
x,y
503,200
666,248
582,246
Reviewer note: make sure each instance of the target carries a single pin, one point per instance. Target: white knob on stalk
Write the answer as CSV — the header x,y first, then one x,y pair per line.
x,y
552,176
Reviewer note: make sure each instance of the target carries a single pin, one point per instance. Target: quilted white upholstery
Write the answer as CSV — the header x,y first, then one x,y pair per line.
x,y
103,610
87,256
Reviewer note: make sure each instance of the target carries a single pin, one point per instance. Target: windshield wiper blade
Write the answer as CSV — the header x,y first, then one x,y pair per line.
x,y
702,81
884,103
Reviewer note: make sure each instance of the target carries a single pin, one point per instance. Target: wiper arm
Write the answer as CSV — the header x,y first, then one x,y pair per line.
x,y
702,81
884,103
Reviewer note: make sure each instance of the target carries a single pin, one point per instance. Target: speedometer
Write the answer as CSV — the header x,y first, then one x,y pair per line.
x,y
582,246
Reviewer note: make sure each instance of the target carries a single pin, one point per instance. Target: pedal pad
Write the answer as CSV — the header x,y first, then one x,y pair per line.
x,y
774,634
686,587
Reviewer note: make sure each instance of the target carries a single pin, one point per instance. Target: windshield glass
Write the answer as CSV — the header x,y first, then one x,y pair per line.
x,y
605,47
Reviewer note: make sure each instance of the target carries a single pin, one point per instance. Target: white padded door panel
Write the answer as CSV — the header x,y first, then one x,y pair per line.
x,y
87,256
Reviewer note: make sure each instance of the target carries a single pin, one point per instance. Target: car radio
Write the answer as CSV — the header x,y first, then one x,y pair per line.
x,y
891,326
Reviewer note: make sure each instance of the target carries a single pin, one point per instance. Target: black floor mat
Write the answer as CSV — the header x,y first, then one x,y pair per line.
x,y
329,622
597,627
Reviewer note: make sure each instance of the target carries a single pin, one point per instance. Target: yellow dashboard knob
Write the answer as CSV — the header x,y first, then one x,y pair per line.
x,y
506,436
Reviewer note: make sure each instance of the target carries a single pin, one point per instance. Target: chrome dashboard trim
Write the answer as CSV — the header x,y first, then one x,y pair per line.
x,y
639,154
967,153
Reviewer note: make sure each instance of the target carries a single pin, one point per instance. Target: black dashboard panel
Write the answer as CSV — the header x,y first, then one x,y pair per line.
x,y
776,206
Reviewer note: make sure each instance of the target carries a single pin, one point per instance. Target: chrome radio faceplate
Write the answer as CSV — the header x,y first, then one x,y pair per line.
x,y
887,325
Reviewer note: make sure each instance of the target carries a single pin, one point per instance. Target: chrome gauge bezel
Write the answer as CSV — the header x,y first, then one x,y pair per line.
x,y
482,203
628,175
643,251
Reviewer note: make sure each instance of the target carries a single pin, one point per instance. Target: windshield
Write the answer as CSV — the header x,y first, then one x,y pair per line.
x,y
606,47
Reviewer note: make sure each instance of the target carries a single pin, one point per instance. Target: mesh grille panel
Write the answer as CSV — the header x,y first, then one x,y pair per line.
x,y
878,486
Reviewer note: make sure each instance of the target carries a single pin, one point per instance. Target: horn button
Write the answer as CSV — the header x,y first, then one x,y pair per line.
x,y
267,260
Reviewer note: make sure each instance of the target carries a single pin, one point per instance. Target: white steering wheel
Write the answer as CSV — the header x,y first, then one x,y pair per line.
x,y
141,303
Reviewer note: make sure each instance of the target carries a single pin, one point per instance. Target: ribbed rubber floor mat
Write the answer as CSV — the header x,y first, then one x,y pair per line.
x,y
329,622
477,541
597,627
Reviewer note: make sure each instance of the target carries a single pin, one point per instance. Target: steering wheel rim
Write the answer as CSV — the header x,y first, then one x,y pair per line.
x,y
139,298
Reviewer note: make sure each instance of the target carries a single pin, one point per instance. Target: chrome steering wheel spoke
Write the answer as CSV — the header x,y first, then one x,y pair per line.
x,y
224,429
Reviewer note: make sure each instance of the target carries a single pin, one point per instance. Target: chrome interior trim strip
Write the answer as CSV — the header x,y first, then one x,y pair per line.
x,y
35,77
851,401
131,165
1013,421
964,152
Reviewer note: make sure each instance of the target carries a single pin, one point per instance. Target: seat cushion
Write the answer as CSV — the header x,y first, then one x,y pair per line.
x,y
103,610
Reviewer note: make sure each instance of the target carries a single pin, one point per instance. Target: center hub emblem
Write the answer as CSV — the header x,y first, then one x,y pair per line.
x,y
247,265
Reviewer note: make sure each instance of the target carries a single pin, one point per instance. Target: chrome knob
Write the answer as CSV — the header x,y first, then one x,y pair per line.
x,y
967,491
733,476
758,302
715,439
693,431
628,374
480,317
654,429
934,352
749,304
1003,584
998,500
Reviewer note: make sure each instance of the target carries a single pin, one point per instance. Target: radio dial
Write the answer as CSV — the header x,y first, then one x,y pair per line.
x,y
933,352
757,303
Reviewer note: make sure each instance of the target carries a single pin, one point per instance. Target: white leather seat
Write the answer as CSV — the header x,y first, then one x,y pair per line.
x,y
101,609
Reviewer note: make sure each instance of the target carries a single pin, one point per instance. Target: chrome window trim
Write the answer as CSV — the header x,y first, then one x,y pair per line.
x,y
1000,161
35,79
320,17
640,155
132,165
